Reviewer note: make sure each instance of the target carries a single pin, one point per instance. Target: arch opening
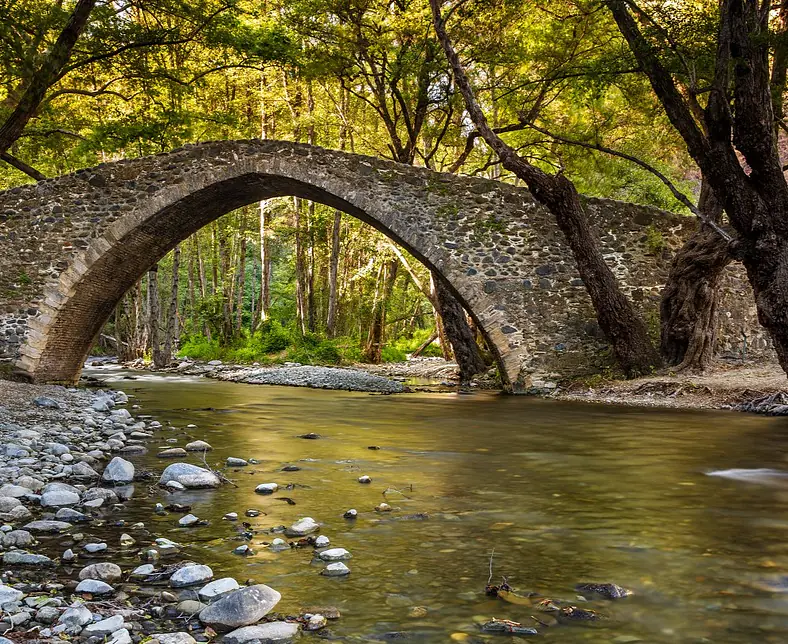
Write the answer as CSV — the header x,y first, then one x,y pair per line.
x,y
99,279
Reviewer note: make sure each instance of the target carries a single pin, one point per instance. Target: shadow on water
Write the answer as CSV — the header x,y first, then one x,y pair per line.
x,y
564,493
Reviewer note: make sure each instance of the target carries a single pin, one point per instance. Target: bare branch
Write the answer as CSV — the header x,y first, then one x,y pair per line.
x,y
22,166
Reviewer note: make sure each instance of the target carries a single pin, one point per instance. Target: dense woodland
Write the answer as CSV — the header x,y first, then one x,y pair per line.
x,y
678,104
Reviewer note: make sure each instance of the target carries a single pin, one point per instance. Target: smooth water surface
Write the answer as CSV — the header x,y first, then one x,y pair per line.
x,y
564,493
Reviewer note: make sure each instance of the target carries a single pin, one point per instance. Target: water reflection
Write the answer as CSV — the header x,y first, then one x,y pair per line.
x,y
565,493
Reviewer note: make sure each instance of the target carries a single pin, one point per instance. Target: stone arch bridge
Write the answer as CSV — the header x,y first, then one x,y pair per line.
x,y
70,247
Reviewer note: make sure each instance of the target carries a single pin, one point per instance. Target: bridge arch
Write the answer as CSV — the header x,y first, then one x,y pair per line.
x,y
71,247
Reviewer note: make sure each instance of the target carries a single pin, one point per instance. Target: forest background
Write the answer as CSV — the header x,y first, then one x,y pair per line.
x,y
290,280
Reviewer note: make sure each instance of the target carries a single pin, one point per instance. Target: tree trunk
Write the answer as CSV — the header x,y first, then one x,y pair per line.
x,y
171,330
153,316
265,265
46,75
310,270
239,291
377,331
688,311
466,352
299,269
332,275
192,290
624,329
203,281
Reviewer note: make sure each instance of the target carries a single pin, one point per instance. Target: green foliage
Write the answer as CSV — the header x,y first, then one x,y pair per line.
x,y
408,344
655,241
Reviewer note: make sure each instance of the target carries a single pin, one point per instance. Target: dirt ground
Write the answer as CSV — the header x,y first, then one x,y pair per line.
x,y
721,387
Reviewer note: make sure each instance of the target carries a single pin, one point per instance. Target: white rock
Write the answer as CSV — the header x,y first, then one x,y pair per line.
x,y
58,498
364,479
315,623
322,541
236,462
217,588
118,470
336,570
8,594
266,488
94,587
173,638
143,571
188,520
93,548
121,636
231,516
191,575
105,626
335,554
240,608
76,615
189,476
198,446
302,527
269,633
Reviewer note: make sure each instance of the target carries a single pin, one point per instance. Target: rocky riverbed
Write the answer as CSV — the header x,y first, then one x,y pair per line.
x,y
65,479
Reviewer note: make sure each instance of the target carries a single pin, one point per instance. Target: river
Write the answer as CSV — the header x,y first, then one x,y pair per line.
x,y
563,493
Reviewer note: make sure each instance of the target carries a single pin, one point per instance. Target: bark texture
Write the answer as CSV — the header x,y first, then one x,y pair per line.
x,y
688,310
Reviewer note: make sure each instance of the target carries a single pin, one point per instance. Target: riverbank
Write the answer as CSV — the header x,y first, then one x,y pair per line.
x,y
757,388
73,568
388,378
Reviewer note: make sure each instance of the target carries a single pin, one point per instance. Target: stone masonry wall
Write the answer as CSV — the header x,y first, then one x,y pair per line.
x,y
71,246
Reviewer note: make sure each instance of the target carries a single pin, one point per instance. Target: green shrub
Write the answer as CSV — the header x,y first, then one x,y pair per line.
x,y
201,348
392,353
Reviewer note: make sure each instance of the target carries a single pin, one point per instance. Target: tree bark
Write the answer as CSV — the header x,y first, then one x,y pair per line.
x,y
688,310
624,329
299,269
171,330
265,264
377,332
466,351
153,320
46,75
332,275
737,123
239,291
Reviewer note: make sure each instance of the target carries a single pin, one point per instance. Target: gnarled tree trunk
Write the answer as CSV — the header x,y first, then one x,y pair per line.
x,y
466,352
688,311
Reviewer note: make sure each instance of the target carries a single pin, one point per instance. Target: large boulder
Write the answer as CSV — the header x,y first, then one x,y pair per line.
x,y
118,471
240,608
189,476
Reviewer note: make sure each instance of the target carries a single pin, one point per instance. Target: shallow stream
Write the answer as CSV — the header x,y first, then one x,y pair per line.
x,y
563,494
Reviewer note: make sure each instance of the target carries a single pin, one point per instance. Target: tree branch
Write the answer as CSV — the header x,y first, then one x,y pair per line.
x,y
22,166
679,196
47,74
